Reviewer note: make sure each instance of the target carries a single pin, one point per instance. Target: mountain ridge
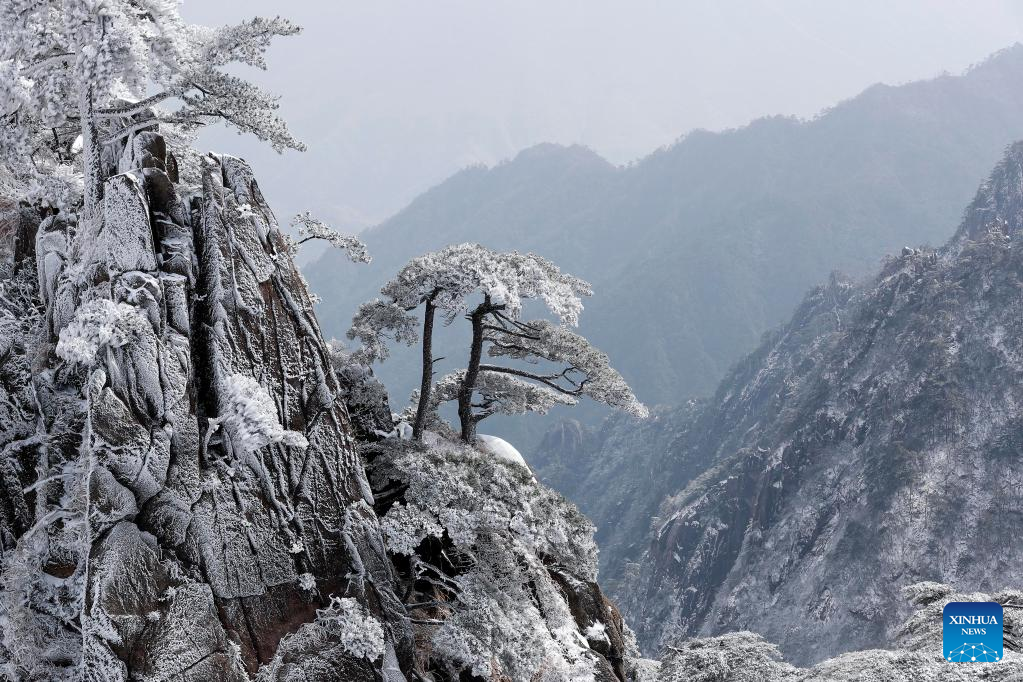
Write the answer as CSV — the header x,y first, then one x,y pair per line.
x,y
868,444
683,247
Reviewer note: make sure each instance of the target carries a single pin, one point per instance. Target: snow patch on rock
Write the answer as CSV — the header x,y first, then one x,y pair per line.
x,y
502,449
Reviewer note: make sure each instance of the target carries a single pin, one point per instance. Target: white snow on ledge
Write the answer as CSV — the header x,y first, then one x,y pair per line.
x,y
503,450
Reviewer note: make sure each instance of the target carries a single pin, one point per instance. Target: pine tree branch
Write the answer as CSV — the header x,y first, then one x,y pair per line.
x,y
142,125
134,108
63,57
549,380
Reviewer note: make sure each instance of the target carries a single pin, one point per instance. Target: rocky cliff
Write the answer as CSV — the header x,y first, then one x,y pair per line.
x,y
198,498
742,656
870,443
183,492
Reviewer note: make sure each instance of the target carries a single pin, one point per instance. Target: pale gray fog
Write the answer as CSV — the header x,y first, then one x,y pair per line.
x,y
394,96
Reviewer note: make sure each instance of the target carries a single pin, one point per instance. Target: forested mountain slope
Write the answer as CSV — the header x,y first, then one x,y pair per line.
x,y
698,249
870,443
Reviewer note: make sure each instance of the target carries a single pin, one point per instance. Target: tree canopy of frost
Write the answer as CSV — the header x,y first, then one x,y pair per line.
x,y
452,282
76,75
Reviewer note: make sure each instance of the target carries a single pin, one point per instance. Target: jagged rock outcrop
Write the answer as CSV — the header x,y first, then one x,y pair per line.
x,y
195,507
747,656
499,571
184,496
871,443
365,397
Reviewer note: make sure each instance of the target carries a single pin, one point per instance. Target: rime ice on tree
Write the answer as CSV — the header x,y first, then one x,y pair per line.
x,y
451,281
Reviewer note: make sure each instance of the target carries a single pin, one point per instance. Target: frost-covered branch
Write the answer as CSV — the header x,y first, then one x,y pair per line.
x,y
377,322
310,228
96,64
135,108
501,393
587,371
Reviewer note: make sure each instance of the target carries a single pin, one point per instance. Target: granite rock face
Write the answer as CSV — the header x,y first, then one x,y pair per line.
x,y
190,537
183,493
499,570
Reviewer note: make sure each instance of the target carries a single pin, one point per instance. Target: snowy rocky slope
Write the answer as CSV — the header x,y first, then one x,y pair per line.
x,y
183,493
747,657
872,442
500,572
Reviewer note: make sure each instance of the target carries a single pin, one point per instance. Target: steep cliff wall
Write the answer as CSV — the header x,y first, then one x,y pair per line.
x,y
200,496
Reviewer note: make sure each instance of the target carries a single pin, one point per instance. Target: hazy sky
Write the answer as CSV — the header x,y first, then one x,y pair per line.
x,y
392,96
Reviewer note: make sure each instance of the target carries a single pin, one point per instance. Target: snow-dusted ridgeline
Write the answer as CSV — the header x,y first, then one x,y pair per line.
x,y
872,442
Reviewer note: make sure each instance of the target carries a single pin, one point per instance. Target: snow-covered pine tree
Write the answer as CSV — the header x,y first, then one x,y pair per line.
x,y
310,228
76,75
443,280
453,280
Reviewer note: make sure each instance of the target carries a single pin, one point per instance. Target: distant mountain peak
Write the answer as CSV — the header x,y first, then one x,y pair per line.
x,y
550,150
694,252
1011,56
